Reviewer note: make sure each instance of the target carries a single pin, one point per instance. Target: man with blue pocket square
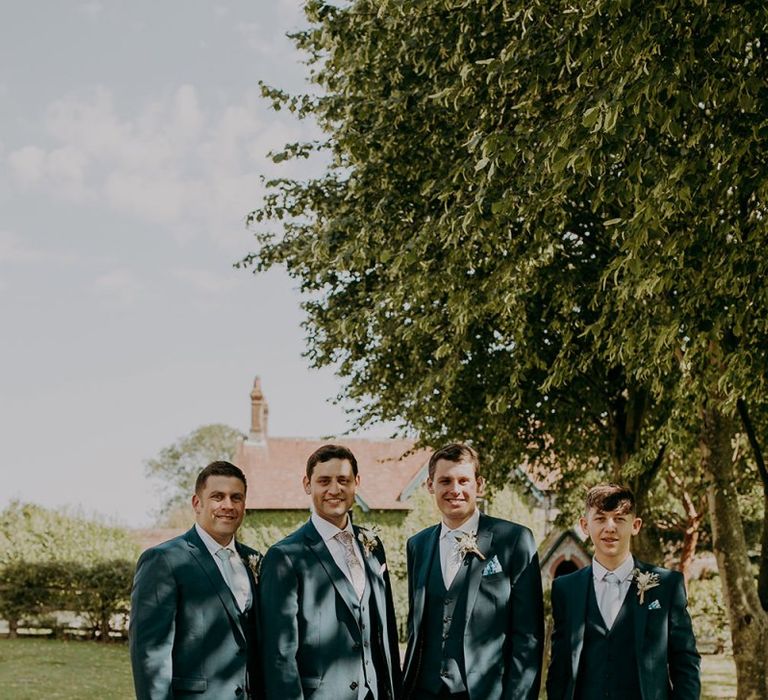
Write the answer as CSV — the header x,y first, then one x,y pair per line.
x,y
621,627
475,617
329,629
194,624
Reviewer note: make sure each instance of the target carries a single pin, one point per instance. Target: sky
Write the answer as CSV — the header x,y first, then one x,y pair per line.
x,y
132,143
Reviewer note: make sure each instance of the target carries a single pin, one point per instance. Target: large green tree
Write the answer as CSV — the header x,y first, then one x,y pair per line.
x,y
541,227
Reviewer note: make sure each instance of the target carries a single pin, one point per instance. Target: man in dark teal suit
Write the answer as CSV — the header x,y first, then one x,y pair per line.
x,y
621,627
194,625
475,618
328,622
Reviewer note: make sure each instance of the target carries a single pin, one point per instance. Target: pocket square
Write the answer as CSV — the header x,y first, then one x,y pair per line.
x,y
382,569
492,567
655,605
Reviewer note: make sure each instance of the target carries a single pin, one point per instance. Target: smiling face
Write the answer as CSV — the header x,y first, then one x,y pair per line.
x,y
611,532
455,486
220,507
332,487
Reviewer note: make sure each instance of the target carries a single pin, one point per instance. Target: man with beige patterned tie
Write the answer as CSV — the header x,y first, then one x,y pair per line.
x,y
328,618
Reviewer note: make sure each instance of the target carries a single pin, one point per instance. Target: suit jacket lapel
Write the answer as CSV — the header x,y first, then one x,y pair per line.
x,y
640,614
373,567
422,573
578,615
203,557
476,565
338,579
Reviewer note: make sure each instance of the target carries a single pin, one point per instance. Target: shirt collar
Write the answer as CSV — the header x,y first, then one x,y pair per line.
x,y
212,545
469,527
623,571
328,530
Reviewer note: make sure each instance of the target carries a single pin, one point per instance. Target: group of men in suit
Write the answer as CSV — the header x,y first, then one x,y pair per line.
x,y
314,618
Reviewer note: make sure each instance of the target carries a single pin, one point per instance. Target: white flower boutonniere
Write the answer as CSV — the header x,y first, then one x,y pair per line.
x,y
369,538
467,544
645,580
253,562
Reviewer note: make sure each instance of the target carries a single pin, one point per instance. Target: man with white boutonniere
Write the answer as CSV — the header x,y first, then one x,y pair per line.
x,y
475,617
194,625
621,627
329,629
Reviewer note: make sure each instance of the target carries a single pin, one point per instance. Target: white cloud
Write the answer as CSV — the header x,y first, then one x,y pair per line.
x,y
174,161
27,164
206,281
119,286
12,250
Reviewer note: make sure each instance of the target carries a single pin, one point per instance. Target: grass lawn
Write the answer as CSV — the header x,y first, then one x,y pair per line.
x,y
33,669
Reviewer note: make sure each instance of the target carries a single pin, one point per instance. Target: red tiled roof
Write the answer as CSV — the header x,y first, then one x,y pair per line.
x,y
274,469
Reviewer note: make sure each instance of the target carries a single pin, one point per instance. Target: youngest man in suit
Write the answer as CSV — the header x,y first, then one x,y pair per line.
x,y
194,626
621,627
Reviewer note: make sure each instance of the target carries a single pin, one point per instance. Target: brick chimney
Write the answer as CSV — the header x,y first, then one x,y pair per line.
x,y
259,413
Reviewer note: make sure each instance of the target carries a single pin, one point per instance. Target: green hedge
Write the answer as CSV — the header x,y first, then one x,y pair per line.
x,y
31,592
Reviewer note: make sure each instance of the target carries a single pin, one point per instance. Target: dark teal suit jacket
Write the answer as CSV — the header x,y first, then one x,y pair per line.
x,y
667,661
187,637
504,627
311,636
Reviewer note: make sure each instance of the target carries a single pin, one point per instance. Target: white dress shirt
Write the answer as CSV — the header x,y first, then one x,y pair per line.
x,y
450,559
623,572
241,585
328,532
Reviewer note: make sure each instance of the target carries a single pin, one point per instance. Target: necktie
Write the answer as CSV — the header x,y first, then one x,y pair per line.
x,y
226,567
452,560
610,600
356,572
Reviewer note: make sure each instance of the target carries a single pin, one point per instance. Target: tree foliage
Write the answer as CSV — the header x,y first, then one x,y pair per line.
x,y
542,228
31,533
177,465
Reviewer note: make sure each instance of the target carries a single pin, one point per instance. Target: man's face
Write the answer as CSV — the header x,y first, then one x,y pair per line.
x,y
456,488
220,507
332,488
611,532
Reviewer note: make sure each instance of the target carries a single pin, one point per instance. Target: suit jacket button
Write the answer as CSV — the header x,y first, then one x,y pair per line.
x,y
238,691
356,646
353,685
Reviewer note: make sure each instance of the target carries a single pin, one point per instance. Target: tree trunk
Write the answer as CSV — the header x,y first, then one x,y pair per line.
x,y
762,579
13,628
748,620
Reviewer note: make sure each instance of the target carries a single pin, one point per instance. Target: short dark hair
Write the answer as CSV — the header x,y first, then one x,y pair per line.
x,y
218,468
608,497
454,452
328,452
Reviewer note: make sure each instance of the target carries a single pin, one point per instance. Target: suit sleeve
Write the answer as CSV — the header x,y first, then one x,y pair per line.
x,y
279,606
152,626
392,633
682,657
559,671
522,676
411,650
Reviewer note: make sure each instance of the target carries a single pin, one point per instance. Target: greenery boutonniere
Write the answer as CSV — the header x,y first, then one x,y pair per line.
x,y
253,562
369,538
467,544
645,580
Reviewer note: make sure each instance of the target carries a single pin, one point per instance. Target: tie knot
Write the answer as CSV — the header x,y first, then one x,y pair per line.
x,y
610,577
345,537
224,554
